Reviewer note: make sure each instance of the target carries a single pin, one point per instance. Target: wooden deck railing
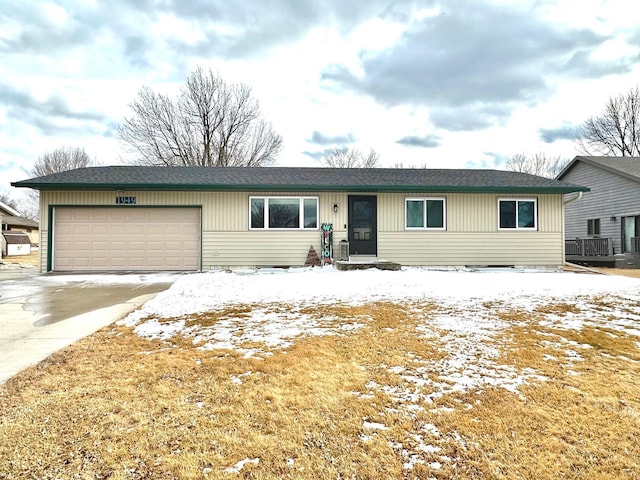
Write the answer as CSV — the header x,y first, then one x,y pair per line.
x,y
590,247
635,244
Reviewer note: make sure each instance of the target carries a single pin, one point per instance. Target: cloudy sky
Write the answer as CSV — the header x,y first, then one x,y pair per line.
x,y
456,83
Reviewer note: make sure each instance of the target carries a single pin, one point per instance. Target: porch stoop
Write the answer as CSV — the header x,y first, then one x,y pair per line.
x,y
365,262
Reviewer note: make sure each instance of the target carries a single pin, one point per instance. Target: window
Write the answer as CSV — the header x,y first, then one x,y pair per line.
x,y
283,213
593,226
517,214
425,213
630,230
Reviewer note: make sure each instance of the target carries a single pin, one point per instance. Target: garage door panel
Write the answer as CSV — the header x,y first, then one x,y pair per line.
x,y
126,238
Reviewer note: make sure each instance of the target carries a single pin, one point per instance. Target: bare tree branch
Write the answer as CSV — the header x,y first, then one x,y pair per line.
x,y
60,160
210,123
344,157
536,164
616,131
55,161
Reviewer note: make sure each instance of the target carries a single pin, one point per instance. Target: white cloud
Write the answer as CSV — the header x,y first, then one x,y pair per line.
x,y
464,83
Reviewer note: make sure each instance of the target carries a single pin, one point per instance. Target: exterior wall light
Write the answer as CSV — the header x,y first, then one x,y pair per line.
x,y
335,207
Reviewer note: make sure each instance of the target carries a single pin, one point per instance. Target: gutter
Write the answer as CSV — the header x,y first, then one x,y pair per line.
x,y
301,188
571,200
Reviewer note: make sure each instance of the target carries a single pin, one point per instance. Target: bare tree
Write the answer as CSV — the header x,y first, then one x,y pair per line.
x,y
413,167
344,157
210,123
536,164
60,160
616,131
8,201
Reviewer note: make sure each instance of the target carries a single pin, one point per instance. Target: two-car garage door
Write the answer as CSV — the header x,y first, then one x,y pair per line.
x,y
126,239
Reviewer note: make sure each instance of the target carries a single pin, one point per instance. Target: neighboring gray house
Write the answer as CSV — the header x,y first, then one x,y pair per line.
x,y
612,208
200,218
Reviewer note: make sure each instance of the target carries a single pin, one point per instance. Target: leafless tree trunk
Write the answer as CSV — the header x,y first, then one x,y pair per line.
x,y
616,131
210,123
344,157
537,164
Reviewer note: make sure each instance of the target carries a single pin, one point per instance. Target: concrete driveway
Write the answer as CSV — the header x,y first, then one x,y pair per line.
x,y
40,314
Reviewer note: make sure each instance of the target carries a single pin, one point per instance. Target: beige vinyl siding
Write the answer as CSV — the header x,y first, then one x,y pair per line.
x,y
454,248
472,236
44,243
221,211
468,212
226,238
246,249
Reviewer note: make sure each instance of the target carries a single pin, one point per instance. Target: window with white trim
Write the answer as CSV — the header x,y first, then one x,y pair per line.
x,y
518,214
282,213
425,214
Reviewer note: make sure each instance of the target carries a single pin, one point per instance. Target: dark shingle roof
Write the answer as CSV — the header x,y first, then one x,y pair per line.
x,y
297,179
19,221
628,167
16,238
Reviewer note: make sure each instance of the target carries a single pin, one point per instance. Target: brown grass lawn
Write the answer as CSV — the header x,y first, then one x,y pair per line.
x,y
33,259
377,402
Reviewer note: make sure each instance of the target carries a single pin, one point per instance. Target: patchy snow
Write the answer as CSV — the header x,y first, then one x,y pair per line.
x,y
468,301
374,425
462,312
203,292
240,465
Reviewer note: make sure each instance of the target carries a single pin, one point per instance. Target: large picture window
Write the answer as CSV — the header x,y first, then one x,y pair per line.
x,y
425,213
283,213
519,214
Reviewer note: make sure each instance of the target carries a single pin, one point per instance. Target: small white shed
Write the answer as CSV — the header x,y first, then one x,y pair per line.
x,y
17,243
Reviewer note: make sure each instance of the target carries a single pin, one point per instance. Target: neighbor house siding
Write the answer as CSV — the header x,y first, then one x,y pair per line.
x,y
611,195
471,237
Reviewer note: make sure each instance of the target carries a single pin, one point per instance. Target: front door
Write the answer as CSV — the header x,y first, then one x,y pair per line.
x,y
362,229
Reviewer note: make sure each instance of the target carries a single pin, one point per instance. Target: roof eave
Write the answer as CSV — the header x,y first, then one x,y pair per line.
x,y
606,168
298,188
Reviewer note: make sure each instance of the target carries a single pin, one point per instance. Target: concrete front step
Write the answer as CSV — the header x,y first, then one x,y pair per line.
x,y
363,264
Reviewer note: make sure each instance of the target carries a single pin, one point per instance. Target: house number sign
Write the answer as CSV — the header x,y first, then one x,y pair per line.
x,y
125,200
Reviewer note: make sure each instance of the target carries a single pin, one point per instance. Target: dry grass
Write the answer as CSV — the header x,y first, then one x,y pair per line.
x,y
33,259
627,272
371,403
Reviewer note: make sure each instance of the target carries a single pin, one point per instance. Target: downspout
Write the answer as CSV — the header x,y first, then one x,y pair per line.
x,y
565,203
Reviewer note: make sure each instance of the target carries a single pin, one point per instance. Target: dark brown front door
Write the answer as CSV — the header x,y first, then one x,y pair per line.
x,y
363,225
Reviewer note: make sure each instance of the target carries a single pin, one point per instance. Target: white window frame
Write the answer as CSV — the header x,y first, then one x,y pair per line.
x,y
424,213
517,228
300,199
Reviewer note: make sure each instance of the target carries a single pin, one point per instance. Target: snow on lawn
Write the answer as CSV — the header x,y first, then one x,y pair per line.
x,y
203,292
466,303
458,310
